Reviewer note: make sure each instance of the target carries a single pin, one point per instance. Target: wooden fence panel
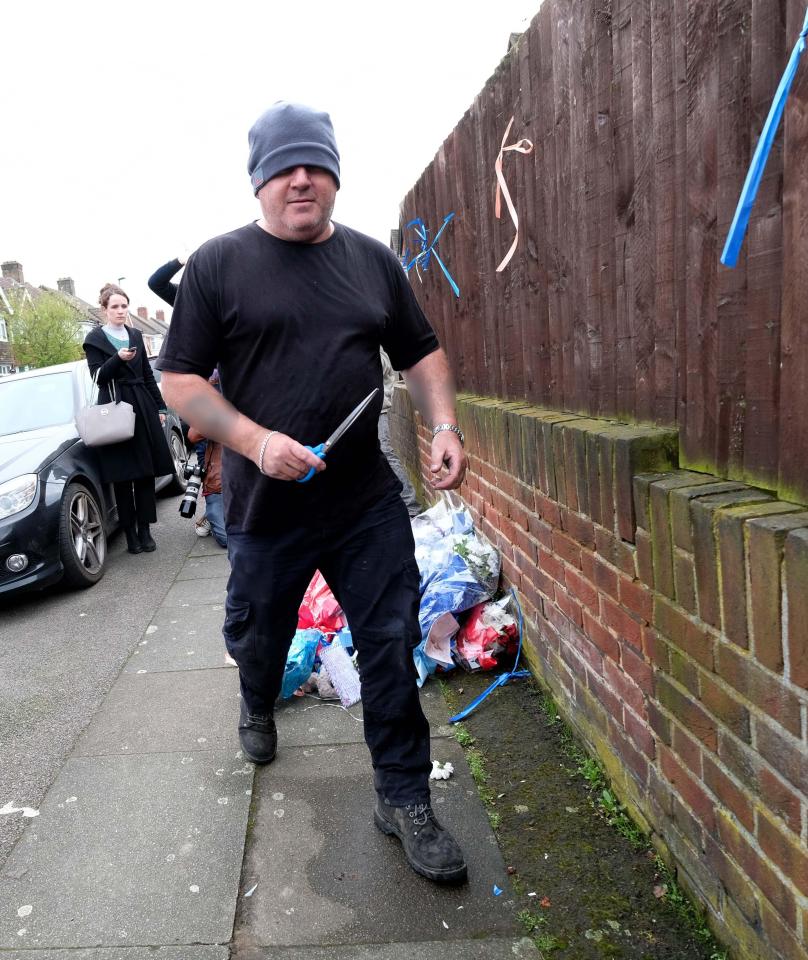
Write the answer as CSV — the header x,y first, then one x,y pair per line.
x,y
643,115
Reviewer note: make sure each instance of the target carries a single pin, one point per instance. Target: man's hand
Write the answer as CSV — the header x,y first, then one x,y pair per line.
x,y
447,451
286,459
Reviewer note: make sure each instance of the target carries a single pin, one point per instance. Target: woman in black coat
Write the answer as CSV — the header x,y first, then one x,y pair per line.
x,y
117,354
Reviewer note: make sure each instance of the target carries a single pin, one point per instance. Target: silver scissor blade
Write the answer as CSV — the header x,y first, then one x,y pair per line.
x,y
349,420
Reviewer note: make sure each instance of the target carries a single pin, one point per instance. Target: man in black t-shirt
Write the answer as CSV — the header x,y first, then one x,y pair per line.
x,y
293,309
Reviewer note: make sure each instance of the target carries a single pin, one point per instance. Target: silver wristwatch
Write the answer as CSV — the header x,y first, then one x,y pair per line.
x,y
449,426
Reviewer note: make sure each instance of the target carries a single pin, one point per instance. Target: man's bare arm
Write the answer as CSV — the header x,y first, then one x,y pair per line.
x,y
207,411
432,389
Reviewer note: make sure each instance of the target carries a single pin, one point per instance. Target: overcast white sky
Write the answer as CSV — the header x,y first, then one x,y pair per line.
x,y
124,126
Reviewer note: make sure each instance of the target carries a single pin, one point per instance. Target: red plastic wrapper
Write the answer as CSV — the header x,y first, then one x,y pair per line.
x,y
488,632
320,610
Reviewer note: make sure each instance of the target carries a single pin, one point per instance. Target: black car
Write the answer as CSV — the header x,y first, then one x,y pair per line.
x,y
55,513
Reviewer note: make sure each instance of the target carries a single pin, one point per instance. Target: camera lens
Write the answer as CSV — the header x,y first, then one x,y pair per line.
x,y
188,503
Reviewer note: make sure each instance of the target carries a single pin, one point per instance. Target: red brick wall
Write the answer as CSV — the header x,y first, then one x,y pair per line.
x,y
668,613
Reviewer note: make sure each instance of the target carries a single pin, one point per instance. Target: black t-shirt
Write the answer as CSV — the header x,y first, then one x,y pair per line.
x,y
295,329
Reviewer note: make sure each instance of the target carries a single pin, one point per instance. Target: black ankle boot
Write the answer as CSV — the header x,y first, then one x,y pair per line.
x,y
428,846
133,545
259,739
146,542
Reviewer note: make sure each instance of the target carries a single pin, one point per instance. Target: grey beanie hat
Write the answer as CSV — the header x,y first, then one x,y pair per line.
x,y
291,135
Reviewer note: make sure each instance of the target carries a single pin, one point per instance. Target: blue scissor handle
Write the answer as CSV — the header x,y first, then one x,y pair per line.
x,y
318,451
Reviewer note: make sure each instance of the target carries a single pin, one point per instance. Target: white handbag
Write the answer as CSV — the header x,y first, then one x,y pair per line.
x,y
102,424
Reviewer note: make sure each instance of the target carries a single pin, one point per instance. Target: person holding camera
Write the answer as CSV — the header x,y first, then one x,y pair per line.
x,y
212,486
116,357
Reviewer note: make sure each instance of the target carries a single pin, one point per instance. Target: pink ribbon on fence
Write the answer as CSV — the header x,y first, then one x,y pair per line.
x,y
521,146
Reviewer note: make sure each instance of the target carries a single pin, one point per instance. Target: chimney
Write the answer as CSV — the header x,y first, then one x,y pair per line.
x,y
161,315
66,285
143,313
12,271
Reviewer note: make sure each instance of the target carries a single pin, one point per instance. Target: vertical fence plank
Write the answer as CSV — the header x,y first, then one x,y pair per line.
x,y
464,252
700,434
564,238
680,207
663,173
604,155
734,22
486,239
793,477
535,345
508,283
623,208
445,202
764,252
643,237
555,268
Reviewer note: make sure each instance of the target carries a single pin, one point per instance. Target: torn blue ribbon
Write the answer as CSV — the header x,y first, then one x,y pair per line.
x,y
503,678
740,221
427,251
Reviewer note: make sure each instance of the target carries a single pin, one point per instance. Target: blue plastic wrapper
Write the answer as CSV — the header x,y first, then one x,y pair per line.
x,y
458,569
300,661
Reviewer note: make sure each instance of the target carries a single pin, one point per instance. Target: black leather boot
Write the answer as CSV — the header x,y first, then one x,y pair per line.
x,y
133,545
428,846
147,544
259,740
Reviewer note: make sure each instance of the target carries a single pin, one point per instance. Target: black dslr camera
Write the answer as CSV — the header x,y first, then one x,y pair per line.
x,y
194,475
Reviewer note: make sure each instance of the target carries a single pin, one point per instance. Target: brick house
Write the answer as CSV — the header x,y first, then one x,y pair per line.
x,y
14,290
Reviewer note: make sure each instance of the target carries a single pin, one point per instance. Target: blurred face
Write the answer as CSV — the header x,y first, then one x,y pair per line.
x,y
297,204
116,310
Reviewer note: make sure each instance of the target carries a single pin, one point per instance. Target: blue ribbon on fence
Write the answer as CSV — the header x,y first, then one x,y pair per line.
x,y
427,251
750,188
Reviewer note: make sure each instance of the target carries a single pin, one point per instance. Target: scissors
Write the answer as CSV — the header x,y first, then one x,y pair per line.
x,y
322,448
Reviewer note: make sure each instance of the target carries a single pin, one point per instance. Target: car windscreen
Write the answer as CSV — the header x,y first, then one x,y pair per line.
x,y
36,402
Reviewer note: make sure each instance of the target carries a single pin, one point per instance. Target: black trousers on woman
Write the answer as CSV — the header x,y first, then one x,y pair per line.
x,y
136,501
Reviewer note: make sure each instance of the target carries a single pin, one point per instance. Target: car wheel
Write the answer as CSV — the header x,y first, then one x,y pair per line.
x,y
180,457
82,539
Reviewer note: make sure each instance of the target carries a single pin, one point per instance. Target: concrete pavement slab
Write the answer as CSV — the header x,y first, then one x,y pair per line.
x,y
195,593
306,721
198,710
198,568
326,875
197,952
130,850
163,712
179,639
515,948
206,547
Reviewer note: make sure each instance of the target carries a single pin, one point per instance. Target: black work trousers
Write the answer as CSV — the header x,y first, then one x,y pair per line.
x,y
370,567
136,501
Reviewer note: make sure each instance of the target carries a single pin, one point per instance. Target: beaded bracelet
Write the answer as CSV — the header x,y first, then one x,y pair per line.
x,y
263,450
